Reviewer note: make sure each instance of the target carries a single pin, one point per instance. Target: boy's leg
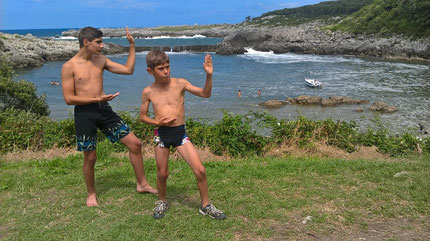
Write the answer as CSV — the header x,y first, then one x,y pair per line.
x,y
135,151
162,157
189,153
88,170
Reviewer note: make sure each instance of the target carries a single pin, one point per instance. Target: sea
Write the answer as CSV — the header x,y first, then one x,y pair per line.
x,y
404,84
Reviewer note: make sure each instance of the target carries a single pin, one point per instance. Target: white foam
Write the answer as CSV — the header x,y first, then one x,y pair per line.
x,y
66,38
272,58
183,37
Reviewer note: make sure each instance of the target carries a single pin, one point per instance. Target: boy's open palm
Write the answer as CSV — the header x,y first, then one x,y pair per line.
x,y
207,65
129,36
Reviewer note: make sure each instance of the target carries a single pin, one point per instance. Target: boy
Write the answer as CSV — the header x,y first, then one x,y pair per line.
x,y
82,84
167,97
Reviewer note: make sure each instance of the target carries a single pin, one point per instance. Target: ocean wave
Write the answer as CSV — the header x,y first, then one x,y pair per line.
x,y
66,38
181,37
288,58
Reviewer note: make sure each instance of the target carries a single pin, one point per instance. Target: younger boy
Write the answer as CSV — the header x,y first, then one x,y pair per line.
x,y
167,97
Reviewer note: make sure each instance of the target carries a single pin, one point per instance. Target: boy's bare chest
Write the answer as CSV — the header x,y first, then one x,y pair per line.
x,y
170,97
88,73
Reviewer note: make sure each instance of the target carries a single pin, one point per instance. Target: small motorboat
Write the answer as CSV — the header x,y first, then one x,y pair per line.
x,y
313,83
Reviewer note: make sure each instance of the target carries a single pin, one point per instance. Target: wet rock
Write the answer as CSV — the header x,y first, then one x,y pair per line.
x,y
382,107
308,100
273,104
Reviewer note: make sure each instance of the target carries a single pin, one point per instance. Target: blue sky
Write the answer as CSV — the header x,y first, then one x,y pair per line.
x,y
36,14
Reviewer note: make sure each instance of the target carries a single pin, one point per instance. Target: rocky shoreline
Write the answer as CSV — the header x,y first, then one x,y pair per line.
x,y
330,101
309,38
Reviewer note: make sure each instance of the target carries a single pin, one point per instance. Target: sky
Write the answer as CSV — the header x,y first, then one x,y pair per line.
x,y
42,14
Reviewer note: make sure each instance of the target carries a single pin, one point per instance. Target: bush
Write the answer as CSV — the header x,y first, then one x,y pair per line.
x,y
19,94
233,135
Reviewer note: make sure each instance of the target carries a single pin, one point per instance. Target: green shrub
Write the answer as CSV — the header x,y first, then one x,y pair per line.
x,y
233,135
19,94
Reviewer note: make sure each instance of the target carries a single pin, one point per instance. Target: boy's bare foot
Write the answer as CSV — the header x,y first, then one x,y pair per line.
x,y
92,201
146,189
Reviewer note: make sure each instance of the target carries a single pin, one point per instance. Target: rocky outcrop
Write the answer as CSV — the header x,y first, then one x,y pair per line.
x,y
330,101
383,107
274,104
29,51
215,31
311,38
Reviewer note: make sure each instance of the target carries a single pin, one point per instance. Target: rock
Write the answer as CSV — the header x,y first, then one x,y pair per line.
x,y
29,51
399,174
359,109
308,100
273,104
383,107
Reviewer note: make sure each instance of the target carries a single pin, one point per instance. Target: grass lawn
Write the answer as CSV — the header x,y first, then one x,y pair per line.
x,y
264,199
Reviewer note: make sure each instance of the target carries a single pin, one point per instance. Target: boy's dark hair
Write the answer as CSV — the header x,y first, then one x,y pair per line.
x,y
155,58
89,33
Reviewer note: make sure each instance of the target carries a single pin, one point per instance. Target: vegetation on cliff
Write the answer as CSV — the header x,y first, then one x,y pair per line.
x,y
385,17
323,10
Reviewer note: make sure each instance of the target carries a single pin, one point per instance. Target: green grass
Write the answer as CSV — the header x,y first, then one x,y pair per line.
x,y
264,198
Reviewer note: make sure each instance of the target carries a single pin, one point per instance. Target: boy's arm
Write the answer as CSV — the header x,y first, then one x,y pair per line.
x,y
68,87
128,68
207,90
144,113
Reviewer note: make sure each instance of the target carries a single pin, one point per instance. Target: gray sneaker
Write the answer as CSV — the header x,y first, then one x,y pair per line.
x,y
160,209
212,211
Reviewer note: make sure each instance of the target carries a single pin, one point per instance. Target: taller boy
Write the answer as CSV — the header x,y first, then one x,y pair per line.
x,y
167,97
82,84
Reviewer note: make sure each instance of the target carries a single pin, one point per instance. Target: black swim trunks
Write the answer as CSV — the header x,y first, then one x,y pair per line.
x,y
170,136
89,117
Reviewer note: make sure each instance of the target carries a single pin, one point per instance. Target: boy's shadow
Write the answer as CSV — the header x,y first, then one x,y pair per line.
x,y
179,194
114,180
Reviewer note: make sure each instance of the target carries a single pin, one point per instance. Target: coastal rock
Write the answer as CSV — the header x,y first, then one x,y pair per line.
x,y
196,48
340,100
273,104
383,107
29,51
311,38
308,100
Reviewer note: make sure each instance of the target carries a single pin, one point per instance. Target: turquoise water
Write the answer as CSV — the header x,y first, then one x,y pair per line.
x,y
402,84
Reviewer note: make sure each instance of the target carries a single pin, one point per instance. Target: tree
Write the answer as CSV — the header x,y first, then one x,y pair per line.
x,y
19,94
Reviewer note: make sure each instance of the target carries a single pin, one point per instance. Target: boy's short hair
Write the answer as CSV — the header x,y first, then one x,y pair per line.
x,y
155,58
89,33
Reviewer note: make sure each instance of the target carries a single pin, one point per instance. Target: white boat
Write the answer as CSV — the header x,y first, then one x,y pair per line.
x,y
313,83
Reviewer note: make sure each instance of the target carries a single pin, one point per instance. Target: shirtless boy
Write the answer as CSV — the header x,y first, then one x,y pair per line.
x,y
82,84
167,97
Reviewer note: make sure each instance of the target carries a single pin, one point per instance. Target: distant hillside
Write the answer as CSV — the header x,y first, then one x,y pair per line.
x,y
323,10
385,17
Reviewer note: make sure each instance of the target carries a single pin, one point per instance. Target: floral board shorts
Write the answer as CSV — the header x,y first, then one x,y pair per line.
x,y
97,115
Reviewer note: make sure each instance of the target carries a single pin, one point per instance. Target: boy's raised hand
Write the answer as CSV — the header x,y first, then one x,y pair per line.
x,y
129,36
207,65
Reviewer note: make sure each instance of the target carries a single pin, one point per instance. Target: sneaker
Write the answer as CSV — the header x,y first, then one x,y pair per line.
x,y
212,211
160,209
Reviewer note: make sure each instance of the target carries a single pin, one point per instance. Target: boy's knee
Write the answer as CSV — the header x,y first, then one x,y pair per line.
x,y
135,145
162,175
90,158
200,173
